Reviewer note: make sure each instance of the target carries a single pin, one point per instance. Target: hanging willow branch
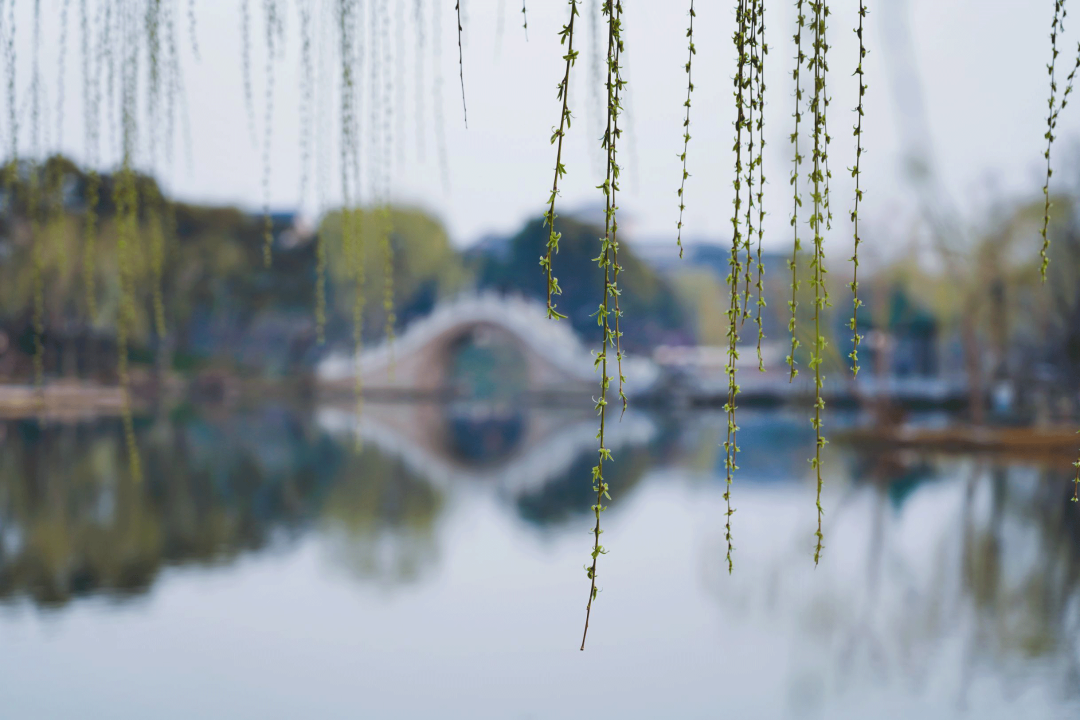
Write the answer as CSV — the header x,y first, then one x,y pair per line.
x,y
37,239
154,205
731,447
437,93
93,184
125,198
270,9
377,144
616,133
153,42
91,104
360,299
595,111
385,221
566,37
796,178
379,154
461,63
1056,27
525,20
421,43
307,97
153,200
399,80
174,84
193,30
386,100
36,206
13,112
686,124
387,247
855,173
245,53
763,50
819,180
61,73
751,85
155,23
608,260
351,237
1076,481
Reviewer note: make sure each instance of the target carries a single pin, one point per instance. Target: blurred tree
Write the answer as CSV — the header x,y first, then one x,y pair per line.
x,y
652,314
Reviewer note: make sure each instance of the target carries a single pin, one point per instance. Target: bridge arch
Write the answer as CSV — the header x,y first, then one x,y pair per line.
x,y
419,362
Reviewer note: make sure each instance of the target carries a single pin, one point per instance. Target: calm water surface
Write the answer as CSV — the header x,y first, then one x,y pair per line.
x,y
270,566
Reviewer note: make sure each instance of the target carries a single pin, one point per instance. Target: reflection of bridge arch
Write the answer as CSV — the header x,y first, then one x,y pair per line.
x,y
550,443
418,362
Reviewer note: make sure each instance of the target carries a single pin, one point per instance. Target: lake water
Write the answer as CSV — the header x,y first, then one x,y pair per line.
x,y
272,566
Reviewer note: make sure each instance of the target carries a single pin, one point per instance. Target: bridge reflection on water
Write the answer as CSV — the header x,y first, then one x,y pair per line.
x,y
955,567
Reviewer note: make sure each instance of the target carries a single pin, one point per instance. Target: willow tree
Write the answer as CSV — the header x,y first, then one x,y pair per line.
x,y
350,66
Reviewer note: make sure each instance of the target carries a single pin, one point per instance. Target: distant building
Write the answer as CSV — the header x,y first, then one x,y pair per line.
x,y
905,344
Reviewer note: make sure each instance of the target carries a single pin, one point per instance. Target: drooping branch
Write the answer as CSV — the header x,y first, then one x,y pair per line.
x,y
796,179
61,71
819,181
307,97
751,83
608,261
566,37
421,44
763,50
734,315
686,125
461,63
154,204
193,30
245,55
385,220
36,204
125,198
437,89
270,9
856,173
1056,27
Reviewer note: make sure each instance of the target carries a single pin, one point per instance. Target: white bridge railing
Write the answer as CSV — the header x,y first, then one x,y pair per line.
x,y
554,341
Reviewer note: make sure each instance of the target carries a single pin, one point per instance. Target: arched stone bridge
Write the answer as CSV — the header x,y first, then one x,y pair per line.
x,y
420,362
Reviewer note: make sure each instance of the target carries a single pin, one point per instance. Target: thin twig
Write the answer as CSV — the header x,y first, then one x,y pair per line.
x,y
461,63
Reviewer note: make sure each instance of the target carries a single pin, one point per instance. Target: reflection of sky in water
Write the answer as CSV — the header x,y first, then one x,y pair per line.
x,y
270,569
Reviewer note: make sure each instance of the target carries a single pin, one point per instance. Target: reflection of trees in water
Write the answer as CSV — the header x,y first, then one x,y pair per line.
x,y
225,485
73,523
71,520
1017,569
1020,568
931,561
381,519
1006,577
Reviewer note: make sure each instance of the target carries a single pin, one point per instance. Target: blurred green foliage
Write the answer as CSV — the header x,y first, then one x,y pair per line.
x,y
223,308
652,314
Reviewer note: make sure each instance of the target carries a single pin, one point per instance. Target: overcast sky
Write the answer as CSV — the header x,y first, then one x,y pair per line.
x,y
979,63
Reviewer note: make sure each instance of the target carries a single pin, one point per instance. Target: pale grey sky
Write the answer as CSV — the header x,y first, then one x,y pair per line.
x,y
980,63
